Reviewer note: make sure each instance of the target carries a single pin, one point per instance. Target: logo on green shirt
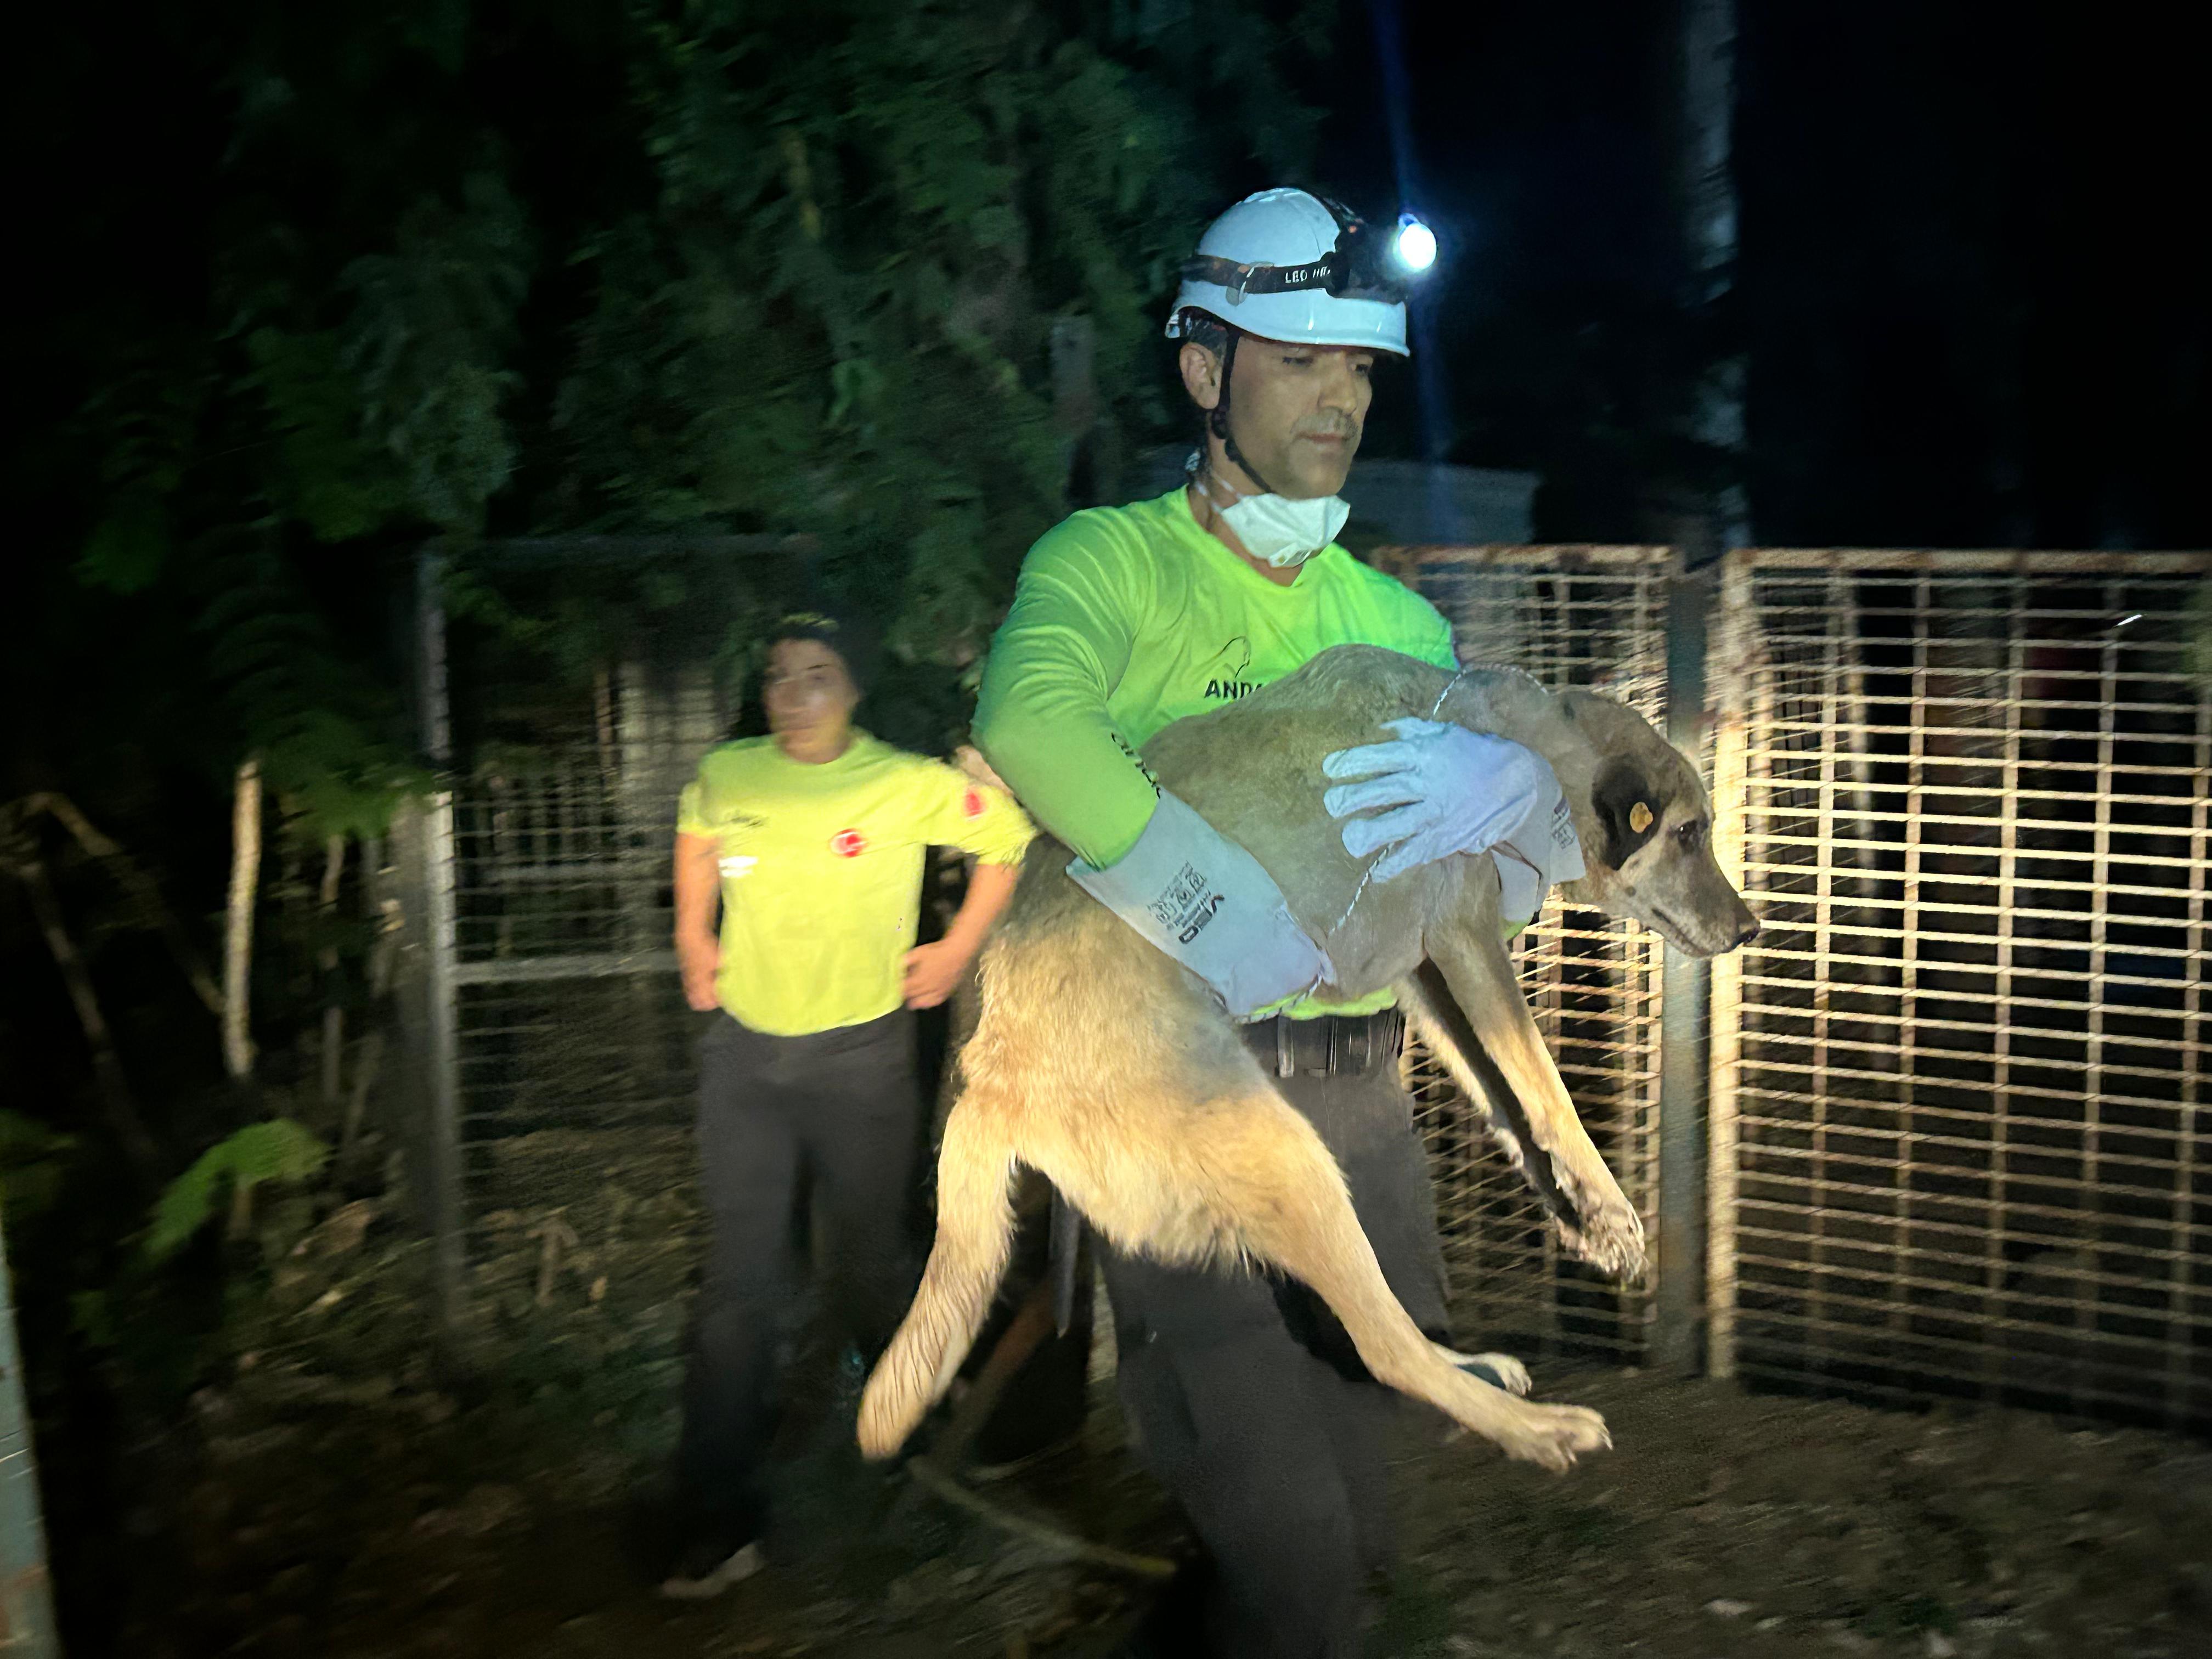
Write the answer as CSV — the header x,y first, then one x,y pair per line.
x,y
1226,668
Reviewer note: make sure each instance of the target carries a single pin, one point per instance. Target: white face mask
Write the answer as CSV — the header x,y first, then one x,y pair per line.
x,y
1279,530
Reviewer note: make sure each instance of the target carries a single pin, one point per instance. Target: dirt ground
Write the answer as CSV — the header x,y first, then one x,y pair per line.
x,y
333,1507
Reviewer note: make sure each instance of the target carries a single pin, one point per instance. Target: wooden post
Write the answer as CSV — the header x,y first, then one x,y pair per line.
x,y
1731,648
1679,1326
422,843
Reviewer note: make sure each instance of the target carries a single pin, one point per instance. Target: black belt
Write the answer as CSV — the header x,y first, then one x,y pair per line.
x,y
1344,1045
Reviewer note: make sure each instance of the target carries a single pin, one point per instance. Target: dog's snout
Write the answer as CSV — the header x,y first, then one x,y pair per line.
x,y
1747,932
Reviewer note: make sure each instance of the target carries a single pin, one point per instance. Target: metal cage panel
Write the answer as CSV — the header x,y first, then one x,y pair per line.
x,y
1957,1087
1959,1081
569,1024
1570,616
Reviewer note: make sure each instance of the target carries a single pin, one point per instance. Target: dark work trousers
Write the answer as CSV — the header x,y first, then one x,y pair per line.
x,y
835,1114
1246,1400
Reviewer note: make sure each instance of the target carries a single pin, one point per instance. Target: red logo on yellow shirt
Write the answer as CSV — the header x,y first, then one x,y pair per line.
x,y
972,803
848,843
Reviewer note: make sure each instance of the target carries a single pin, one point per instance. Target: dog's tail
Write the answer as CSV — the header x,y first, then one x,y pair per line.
x,y
975,1235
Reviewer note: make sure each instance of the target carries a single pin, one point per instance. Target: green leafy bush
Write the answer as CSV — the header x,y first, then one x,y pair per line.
x,y
34,1163
277,1151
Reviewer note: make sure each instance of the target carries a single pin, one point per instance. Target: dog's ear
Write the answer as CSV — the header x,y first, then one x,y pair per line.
x,y
1629,807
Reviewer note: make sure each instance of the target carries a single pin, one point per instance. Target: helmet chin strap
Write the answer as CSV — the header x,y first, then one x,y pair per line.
x,y
1217,421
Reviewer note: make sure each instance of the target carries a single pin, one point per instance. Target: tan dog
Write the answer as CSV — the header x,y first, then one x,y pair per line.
x,y
1101,1063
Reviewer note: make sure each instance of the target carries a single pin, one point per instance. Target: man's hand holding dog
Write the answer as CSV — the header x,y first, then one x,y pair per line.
x,y
1448,790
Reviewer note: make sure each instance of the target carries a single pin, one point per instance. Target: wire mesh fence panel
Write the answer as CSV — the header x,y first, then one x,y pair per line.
x,y
1960,1105
1574,615
572,1042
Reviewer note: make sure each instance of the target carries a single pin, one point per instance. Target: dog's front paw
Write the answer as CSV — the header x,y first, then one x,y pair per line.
x,y
1555,1435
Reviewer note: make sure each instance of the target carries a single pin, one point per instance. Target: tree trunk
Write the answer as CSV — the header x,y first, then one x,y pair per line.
x,y
238,934
1718,519
333,1014
122,1111
1075,406
381,955
118,864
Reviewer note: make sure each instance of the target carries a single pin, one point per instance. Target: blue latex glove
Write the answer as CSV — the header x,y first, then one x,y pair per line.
x,y
1450,791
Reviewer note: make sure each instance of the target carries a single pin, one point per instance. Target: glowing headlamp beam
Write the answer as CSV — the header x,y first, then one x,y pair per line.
x,y
1415,246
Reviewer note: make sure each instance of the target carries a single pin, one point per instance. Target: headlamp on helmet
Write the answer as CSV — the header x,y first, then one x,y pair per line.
x,y
1366,263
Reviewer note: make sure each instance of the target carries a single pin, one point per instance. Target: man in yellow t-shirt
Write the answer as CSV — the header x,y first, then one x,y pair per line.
x,y
811,841
1243,1392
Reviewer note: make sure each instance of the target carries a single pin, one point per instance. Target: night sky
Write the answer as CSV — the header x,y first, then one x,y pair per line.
x,y
1973,277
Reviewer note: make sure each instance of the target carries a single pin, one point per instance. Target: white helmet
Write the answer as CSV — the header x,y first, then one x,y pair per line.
x,y
1286,265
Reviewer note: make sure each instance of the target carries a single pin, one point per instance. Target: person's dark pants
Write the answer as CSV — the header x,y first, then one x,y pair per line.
x,y
1245,1395
835,1115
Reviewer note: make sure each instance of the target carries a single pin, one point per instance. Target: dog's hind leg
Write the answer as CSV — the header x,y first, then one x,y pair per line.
x,y
1500,1371
1284,1199
975,1235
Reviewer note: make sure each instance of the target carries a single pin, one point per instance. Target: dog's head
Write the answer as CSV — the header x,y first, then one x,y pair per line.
x,y
1646,829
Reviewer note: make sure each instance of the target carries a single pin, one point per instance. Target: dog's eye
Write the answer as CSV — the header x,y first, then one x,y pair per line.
x,y
1690,832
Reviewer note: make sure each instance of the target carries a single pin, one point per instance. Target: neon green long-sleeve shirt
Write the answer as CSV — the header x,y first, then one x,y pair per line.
x,y
1126,619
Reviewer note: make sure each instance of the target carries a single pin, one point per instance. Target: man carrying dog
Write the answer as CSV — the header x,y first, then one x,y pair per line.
x,y
1242,1392
811,839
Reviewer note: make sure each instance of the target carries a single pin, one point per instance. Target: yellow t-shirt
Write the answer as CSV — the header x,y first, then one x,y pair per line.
x,y
822,872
